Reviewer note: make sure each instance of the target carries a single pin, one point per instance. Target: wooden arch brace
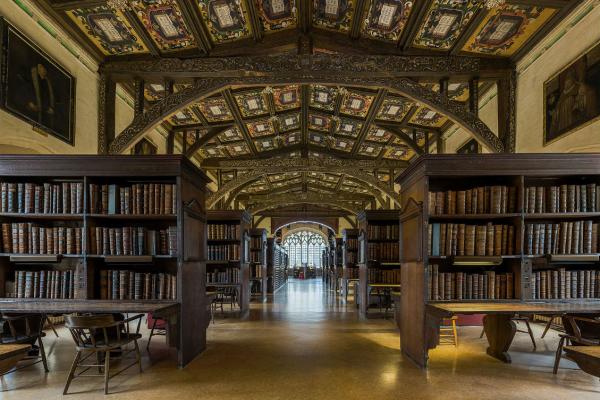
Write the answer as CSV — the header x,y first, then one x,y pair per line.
x,y
254,174
402,86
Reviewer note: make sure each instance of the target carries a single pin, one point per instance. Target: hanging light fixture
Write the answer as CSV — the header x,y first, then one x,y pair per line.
x,y
118,4
489,4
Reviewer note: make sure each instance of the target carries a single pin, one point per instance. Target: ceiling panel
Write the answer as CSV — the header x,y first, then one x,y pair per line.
x,y
386,19
215,109
225,20
276,15
333,14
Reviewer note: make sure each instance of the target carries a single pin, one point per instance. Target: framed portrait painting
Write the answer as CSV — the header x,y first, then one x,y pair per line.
x,y
572,97
34,87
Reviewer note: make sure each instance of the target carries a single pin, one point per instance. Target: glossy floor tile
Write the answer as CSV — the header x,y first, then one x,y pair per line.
x,y
306,344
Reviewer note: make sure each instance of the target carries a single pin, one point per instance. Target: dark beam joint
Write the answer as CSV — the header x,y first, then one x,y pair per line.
x,y
139,99
507,112
474,96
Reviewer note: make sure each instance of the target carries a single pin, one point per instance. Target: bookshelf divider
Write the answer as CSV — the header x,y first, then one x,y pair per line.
x,y
497,228
119,229
258,263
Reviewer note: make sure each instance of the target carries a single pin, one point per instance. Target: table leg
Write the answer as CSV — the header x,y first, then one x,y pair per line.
x,y
500,331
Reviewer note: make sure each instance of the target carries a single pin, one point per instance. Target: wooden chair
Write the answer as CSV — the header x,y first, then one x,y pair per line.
x,y
158,327
225,295
448,333
579,331
10,355
25,329
99,335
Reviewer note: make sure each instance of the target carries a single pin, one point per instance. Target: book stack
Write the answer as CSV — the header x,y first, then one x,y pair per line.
x,y
230,275
351,258
48,284
256,256
256,242
28,238
574,237
489,285
384,252
256,271
47,198
479,200
223,232
379,232
471,240
377,275
130,285
562,283
135,199
352,273
133,241
351,244
223,252
561,199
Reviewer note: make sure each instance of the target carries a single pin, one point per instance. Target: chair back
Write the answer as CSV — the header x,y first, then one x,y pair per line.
x,y
90,330
582,327
22,326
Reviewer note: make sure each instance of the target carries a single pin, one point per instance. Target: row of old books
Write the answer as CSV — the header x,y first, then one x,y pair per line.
x,y
575,237
131,285
256,256
256,242
351,244
223,252
135,199
351,258
566,284
352,273
383,252
28,238
133,241
223,231
256,271
561,199
46,198
377,275
45,284
469,286
479,200
383,232
470,240
229,275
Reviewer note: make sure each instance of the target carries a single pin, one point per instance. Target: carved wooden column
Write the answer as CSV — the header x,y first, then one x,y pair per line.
x,y
507,112
106,112
138,89
474,96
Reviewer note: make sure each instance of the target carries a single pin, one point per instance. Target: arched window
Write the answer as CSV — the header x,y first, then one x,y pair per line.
x,y
304,247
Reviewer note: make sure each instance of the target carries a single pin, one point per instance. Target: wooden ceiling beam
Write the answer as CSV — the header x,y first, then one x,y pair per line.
x,y
141,32
237,116
305,14
255,25
415,21
211,133
476,20
407,139
191,16
375,106
275,164
304,120
357,18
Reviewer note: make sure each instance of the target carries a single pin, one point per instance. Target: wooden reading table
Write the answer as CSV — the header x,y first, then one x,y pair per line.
x,y
497,323
165,309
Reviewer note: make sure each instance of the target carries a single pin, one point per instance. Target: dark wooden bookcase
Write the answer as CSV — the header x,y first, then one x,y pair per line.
x,y
379,246
186,264
521,172
277,265
258,264
232,233
350,258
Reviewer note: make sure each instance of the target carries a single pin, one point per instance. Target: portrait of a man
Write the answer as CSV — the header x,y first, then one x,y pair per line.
x,y
572,98
35,88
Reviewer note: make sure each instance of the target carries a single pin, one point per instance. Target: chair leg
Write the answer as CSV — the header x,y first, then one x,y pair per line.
x,y
530,334
558,355
72,372
106,371
482,333
51,326
547,328
138,356
43,354
455,333
151,334
99,360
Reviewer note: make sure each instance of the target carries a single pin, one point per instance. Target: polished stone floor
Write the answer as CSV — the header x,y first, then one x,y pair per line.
x,y
307,344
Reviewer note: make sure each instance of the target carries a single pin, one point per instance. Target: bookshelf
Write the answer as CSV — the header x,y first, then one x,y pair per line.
x,y
258,264
277,265
534,237
338,263
109,230
379,258
228,253
349,258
